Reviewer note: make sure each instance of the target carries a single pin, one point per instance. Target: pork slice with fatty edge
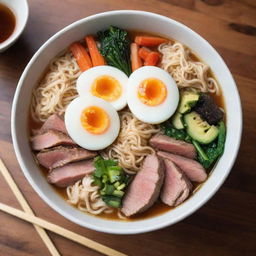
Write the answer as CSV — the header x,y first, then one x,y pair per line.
x,y
68,174
193,170
50,139
144,190
166,143
59,156
54,122
176,186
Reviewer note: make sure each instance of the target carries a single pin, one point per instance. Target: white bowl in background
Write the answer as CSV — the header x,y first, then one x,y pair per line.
x,y
21,12
128,20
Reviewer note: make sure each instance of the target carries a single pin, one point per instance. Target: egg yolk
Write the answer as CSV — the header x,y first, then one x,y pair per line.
x,y
107,88
95,120
152,92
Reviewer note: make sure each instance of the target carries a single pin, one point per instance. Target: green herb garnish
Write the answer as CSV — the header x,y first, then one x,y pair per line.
x,y
111,180
115,47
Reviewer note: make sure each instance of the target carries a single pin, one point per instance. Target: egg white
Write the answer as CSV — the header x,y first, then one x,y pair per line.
x,y
84,138
152,114
86,79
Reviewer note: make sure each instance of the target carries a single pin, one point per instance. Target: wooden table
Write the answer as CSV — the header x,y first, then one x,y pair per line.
x,y
226,224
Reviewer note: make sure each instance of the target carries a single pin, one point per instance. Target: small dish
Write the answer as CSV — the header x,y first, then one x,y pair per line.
x,y
21,12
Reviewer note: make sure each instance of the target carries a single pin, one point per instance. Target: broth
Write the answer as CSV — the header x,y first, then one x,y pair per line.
x,y
7,22
158,208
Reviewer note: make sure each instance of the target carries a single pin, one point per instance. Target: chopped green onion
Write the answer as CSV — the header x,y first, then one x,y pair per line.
x,y
97,182
114,175
108,189
116,184
112,201
111,179
121,186
110,162
118,193
104,178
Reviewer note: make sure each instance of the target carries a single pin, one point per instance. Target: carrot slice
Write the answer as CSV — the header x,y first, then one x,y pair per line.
x,y
82,57
144,52
149,40
152,59
135,58
97,58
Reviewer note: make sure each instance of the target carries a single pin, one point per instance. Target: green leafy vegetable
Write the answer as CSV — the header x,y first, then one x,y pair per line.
x,y
112,201
110,162
115,47
111,180
200,150
207,154
213,150
178,134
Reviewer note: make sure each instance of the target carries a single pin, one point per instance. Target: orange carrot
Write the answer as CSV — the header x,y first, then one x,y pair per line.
x,y
143,52
97,58
149,40
135,58
152,59
82,57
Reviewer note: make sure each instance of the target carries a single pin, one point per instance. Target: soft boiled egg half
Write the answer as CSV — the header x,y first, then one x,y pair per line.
x,y
92,122
152,94
104,82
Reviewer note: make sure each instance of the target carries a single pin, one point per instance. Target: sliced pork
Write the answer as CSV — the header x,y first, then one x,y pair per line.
x,y
145,187
54,122
50,139
59,156
194,170
174,146
70,173
176,186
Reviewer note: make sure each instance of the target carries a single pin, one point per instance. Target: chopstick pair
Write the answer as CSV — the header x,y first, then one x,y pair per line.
x,y
40,224
25,206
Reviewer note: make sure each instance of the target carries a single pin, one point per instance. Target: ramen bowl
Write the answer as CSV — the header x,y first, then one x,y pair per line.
x,y
132,20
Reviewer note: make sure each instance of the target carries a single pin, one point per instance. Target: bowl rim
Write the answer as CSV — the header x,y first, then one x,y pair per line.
x,y
112,230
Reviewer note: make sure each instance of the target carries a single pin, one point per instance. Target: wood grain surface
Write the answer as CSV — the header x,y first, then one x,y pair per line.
x,y
226,225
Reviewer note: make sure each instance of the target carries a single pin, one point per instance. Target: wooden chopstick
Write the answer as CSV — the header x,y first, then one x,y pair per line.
x,y
24,204
39,224
60,231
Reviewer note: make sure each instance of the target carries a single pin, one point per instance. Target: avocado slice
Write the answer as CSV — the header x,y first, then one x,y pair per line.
x,y
187,101
200,130
177,121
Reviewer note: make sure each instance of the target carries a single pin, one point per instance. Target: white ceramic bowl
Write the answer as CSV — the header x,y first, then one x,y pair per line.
x,y
20,11
128,20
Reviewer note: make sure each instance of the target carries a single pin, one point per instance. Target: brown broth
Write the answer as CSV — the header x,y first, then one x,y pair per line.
x,y
159,207
217,98
7,22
